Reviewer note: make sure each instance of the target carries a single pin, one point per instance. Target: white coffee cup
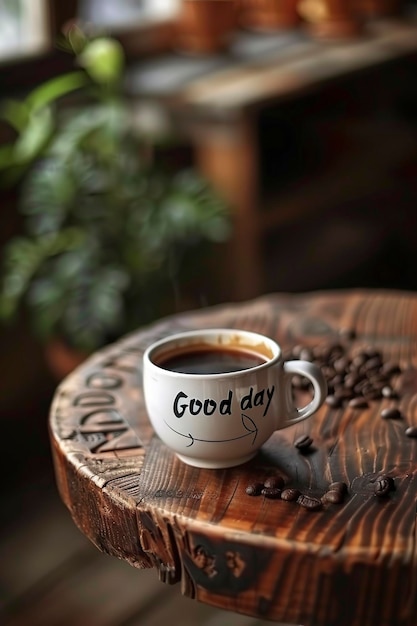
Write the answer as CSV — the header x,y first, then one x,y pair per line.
x,y
221,418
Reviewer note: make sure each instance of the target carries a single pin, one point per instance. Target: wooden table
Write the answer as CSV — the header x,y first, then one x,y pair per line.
x,y
217,102
352,563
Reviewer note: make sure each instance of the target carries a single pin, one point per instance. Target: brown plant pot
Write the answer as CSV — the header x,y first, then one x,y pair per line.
x,y
268,14
331,19
205,26
62,359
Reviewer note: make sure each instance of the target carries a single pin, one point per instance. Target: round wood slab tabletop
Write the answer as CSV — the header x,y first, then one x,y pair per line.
x,y
335,542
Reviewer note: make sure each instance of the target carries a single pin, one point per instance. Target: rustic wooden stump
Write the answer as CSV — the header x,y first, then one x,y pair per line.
x,y
350,563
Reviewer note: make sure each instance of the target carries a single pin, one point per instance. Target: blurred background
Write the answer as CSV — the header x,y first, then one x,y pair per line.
x,y
235,148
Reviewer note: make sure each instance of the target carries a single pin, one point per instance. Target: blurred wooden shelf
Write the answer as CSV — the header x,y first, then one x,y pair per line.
x,y
217,102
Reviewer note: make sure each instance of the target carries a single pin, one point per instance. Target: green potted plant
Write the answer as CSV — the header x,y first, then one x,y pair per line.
x,y
106,225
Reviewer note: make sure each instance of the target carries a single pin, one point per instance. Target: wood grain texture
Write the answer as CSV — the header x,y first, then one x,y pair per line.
x,y
346,564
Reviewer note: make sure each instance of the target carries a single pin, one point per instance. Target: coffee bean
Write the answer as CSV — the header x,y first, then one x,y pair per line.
x,y
338,486
383,486
341,364
411,431
371,352
296,351
358,403
290,494
274,482
347,333
327,353
334,401
391,414
373,364
310,503
378,381
337,379
366,388
362,386
351,380
254,489
388,392
333,496
306,354
372,394
390,369
303,443
271,492
358,361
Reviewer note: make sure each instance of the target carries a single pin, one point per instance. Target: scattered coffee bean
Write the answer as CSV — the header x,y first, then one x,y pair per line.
x,y
334,401
347,333
290,494
358,361
388,392
390,368
310,503
373,394
306,354
303,443
358,403
351,380
333,496
274,482
383,486
340,365
411,431
254,489
391,414
271,492
338,486
373,363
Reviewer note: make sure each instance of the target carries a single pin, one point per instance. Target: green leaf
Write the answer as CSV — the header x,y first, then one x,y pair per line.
x,y
35,136
15,113
54,89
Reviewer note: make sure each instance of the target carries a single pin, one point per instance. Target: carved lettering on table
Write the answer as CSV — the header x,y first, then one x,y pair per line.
x,y
224,567
123,362
103,428
102,380
94,398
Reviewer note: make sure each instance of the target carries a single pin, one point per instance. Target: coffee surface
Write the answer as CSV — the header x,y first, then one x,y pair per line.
x,y
210,361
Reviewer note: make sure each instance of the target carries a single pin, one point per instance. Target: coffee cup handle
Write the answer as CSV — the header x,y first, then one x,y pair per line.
x,y
317,379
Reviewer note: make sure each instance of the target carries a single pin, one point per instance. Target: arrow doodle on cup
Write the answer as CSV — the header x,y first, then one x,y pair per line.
x,y
247,423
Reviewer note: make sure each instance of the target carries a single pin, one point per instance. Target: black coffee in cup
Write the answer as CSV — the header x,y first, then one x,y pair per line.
x,y
206,359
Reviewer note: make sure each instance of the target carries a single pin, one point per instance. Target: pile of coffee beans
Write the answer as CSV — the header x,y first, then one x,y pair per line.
x,y
354,378
273,487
